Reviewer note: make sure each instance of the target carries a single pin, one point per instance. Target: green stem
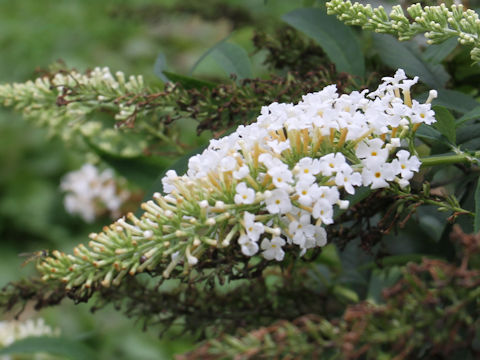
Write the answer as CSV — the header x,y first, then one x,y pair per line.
x,y
449,159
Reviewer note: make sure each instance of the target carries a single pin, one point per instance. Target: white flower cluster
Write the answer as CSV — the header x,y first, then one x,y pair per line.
x,y
11,331
91,193
285,173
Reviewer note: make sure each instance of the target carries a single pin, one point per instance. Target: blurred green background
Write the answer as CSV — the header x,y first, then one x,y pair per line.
x,y
124,35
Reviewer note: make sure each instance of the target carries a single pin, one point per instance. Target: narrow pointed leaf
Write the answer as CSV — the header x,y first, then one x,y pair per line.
x,y
445,123
398,55
336,39
436,53
51,345
233,59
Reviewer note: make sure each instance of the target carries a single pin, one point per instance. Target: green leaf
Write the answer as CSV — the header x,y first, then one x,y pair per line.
x,y
140,170
233,59
336,39
180,166
399,55
476,221
381,279
429,133
188,82
160,66
436,53
51,345
474,114
445,123
468,133
345,294
456,100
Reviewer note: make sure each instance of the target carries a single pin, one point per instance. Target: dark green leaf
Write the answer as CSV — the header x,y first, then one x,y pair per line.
x,y
476,221
188,82
471,115
233,59
51,345
399,55
336,39
429,133
140,170
456,100
381,279
445,123
345,294
160,66
436,53
180,166
467,133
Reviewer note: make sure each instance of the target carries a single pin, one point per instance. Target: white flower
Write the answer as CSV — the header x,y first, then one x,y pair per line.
x,y
306,192
254,229
422,113
331,163
279,147
272,249
244,194
377,175
278,202
329,193
323,210
228,163
301,230
320,236
408,165
247,245
91,193
348,179
372,152
241,173
168,181
307,168
281,177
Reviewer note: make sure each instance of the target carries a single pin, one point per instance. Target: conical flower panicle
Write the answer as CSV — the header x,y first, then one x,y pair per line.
x,y
268,187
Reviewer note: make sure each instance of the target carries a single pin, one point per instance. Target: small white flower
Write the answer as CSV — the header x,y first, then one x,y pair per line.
x,y
331,163
278,202
323,210
272,249
372,152
422,113
254,229
228,163
348,179
408,165
241,173
306,192
281,177
244,194
378,175
320,236
307,168
247,245
279,147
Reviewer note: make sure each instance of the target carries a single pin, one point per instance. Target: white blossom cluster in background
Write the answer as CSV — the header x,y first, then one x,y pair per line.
x,y
91,193
287,171
268,186
11,331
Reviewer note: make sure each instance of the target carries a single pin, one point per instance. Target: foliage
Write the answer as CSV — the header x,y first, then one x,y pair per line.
x,y
432,292
200,259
